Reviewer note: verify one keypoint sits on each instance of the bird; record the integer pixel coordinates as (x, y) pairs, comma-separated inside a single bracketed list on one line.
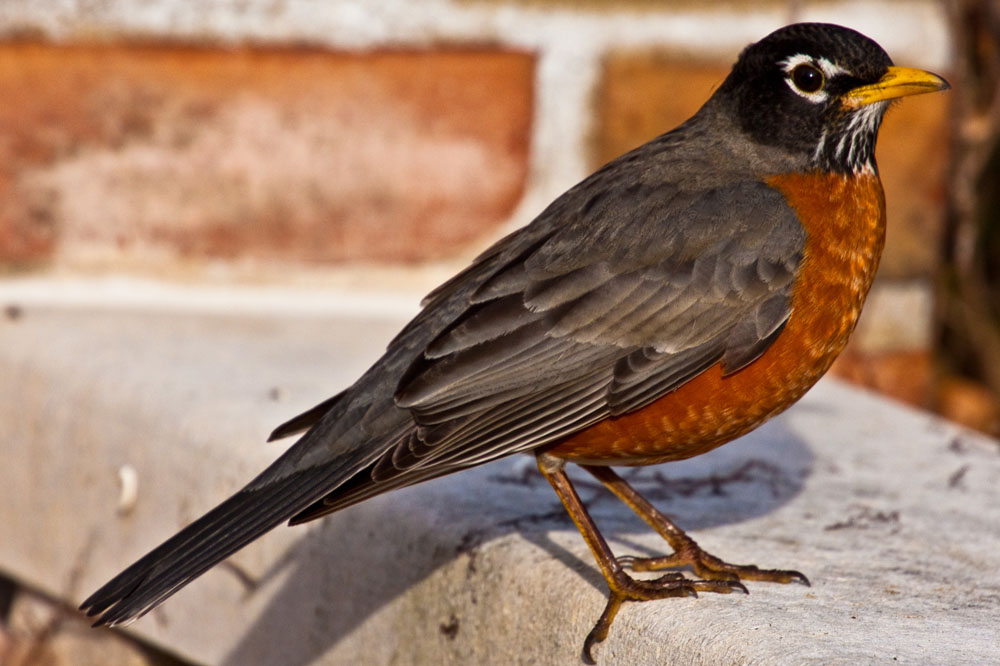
[(672, 301)]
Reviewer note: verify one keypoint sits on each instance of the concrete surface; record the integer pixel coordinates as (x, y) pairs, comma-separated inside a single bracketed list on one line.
[(893, 514), (39, 632)]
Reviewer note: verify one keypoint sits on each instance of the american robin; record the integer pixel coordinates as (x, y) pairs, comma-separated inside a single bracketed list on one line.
[(672, 301)]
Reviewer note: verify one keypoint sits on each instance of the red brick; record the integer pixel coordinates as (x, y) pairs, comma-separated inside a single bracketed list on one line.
[(969, 403), (913, 155), (903, 375), (642, 95), (297, 155)]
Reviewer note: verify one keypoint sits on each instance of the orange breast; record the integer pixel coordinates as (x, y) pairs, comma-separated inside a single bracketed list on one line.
[(844, 219)]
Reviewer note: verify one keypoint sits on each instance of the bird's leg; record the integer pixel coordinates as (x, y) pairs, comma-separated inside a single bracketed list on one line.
[(686, 551), (622, 587)]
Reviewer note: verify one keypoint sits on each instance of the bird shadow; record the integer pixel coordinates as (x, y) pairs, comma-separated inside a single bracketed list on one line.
[(357, 561)]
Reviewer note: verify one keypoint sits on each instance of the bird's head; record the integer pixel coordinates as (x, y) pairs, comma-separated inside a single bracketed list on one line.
[(819, 90)]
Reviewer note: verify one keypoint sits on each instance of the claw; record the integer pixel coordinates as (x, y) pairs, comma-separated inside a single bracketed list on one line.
[(625, 588), (600, 630), (800, 578)]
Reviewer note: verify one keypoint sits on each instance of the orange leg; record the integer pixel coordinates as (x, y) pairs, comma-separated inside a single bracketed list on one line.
[(686, 551), (622, 587)]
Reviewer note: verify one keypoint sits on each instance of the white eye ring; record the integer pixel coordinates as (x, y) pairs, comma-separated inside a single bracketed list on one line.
[(822, 65)]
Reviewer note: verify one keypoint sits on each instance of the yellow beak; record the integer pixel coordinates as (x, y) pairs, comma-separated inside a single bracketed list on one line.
[(897, 82)]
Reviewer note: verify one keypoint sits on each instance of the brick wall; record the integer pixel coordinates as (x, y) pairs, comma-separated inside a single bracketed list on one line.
[(279, 140), (122, 151)]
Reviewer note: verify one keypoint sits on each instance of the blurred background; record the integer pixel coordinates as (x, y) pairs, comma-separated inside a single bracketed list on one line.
[(352, 154)]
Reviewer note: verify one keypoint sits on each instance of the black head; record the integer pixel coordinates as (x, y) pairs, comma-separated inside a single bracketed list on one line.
[(819, 90)]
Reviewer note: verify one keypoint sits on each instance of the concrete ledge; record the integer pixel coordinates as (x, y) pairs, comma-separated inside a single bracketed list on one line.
[(893, 515)]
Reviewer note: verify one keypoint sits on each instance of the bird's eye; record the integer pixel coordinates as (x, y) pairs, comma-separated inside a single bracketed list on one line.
[(807, 78)]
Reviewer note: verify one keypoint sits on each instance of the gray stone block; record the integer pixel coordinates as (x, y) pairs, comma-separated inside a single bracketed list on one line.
[(893, 514)]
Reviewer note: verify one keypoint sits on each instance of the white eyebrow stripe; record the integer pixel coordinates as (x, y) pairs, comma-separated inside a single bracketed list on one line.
[(791, 62), (829, 68)]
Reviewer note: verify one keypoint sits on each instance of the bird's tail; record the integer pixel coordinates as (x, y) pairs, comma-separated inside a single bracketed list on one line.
[(225, 529)]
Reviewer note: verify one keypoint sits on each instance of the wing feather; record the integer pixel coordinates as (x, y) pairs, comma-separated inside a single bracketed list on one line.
[(550, 342)]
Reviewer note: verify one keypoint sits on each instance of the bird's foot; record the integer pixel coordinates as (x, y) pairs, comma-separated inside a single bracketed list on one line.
[(710, 567), (625, 588)]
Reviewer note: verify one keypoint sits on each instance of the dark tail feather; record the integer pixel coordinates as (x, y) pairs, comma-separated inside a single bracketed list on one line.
[(305, 420), (203, 544)]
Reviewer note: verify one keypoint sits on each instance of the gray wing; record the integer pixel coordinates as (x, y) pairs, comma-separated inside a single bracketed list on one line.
[(638, 293)]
